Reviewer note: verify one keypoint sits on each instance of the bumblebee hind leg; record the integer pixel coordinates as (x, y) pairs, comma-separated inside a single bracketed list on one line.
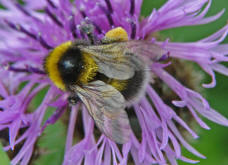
[(115, 35)]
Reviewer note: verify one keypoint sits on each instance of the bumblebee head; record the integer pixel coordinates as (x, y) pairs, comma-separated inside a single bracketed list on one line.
[(63, 65)]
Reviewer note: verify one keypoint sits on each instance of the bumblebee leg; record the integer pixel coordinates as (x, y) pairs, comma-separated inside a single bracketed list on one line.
[(88, 29), (73, 99), (115, 35)]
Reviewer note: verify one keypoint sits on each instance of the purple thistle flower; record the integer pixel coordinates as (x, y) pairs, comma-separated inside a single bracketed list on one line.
[(27, 34)]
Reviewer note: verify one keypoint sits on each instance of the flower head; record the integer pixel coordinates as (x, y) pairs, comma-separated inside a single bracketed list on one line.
[(30, 31)]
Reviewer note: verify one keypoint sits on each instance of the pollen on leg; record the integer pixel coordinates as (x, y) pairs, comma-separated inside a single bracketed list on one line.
[(117, 34)]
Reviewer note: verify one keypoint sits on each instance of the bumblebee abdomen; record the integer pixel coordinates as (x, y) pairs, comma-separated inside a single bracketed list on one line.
[(135, 86), (132, 88)]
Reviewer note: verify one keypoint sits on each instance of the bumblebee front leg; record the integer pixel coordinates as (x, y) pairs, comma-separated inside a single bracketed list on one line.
[(73, 99), (88, 29)]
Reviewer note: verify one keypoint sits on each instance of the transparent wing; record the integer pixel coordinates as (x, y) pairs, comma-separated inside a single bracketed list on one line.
[(111, 60), (106, 105), (146, 50), (120, 60)]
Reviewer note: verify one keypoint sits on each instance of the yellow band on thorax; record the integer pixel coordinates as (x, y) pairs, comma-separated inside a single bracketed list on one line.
[(89, 70)]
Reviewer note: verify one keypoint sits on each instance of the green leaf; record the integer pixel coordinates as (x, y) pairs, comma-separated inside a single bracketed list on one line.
[(51, 145), (4, 160), (149, 5)]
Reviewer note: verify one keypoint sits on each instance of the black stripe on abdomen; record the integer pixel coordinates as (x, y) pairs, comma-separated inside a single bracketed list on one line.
[(134, 86)]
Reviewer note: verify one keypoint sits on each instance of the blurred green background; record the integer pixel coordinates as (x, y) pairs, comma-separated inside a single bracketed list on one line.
[(213, 143)]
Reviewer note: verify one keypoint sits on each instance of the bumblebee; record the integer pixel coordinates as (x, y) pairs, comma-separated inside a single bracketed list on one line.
[(106, 76)]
